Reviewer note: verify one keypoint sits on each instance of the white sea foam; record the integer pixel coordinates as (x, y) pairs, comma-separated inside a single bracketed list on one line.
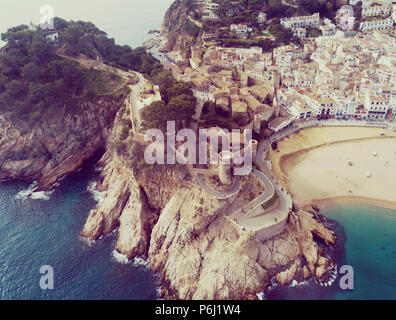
[(89, 242), (30, 193), (97, 195), (119, 257), (295, 283), (273, 283), (137, 261), (99, 169), (159, 291), (333, 276), (260, 296), (123, 259)]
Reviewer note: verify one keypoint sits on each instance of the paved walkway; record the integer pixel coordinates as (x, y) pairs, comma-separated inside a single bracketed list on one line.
[(132, 103), (220, 194), (253, 216), (285, 3)]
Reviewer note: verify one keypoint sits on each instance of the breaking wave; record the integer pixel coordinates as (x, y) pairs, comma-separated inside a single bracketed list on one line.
[(30, 193), (97, 195)]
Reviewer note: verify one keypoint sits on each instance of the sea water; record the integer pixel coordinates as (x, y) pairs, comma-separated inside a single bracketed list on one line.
[(127, 21), (45, 231), (366, 242), (39, 229), (370, 248)]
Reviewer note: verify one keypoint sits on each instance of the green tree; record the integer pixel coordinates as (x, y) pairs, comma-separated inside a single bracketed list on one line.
[(31, 72), (16, 89)]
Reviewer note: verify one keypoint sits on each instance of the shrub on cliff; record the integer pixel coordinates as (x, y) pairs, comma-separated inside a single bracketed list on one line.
[(34, 77), (31, 75), (84, 37)]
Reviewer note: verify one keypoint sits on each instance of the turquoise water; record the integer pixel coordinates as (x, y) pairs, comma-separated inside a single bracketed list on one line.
[(367, 242), (34, 233), (39, 232), (370, 248)]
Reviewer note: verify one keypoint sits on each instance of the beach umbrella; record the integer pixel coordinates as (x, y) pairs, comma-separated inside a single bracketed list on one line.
[(368, 174)]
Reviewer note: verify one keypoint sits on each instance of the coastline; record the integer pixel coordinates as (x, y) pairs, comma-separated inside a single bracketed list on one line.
[(315, 174), (324, 203)]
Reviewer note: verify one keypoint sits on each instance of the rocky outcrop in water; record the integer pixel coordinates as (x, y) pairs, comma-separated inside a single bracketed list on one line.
[(199, 253)]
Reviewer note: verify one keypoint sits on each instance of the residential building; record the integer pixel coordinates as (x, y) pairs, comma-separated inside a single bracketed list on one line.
[(262, 17), (240, 28), (376, 24), (301, 21), (280, 123), (376, 9), (212, 5)]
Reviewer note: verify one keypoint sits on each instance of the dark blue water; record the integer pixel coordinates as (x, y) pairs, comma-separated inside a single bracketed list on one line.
[(34, 233)]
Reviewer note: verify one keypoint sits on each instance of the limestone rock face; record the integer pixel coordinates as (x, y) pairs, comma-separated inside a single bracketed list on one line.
[(133, 237), (285, 277), (124, 203), (104, 219), (295, 253), (159, 185), (204, 259), (56, 145), (190, 242), (174, 28), (199, 253)]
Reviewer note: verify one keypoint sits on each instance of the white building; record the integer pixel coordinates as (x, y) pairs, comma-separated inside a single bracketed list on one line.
[(301, 21), (280, 123), (394, 12), (210, 16), (377, 106), (345, 18), (212, 5), (52, 37), (365, 3), (262, 17), (376, 24), (300, 33), (345, 106), (328, 29), (240, 28), (300, 110), (376, 10)]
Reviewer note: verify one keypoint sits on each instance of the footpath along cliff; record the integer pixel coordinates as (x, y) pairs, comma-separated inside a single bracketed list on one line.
[(161, 214)]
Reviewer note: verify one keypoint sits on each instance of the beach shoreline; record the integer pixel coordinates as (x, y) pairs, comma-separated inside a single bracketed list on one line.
[(327, 202), (312, 165)]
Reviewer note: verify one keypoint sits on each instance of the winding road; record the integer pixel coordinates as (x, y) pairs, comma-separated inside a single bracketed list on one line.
[(219, 194)]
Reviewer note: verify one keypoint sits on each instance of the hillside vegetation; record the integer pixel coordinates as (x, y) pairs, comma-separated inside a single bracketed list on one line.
[(35, 81)]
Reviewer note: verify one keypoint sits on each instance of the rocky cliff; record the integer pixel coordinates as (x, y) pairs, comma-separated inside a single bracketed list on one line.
[(57, 144), (161, 213), (180, 31)]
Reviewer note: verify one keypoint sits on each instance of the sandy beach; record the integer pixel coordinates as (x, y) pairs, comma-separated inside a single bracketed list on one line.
[(321, 165)]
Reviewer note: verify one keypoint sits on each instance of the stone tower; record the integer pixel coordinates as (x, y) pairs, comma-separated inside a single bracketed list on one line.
[(225, 167), (244, 79), (257, 123)]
